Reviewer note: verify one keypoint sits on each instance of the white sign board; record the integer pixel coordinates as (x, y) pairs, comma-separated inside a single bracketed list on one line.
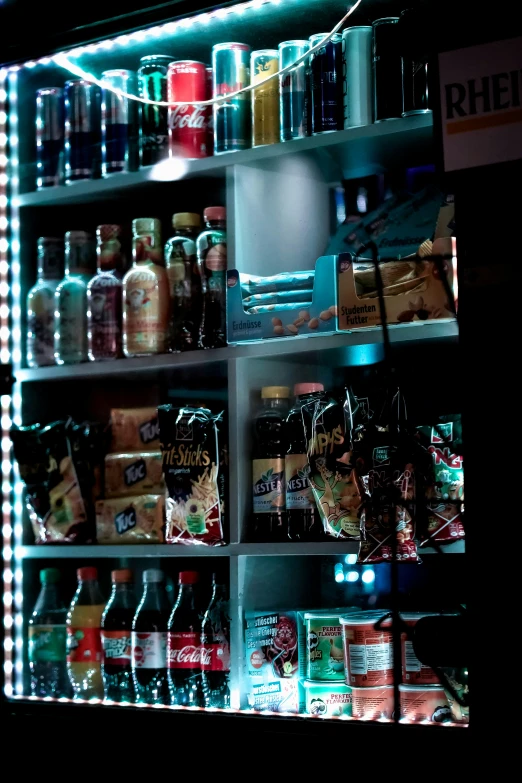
[(481, 104)]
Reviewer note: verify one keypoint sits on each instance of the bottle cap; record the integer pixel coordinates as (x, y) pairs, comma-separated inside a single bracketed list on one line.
[(156, 58), (77, 237), (153, 575), (49, 576), (107, 232), (214, 213), (188, 577), (275, 393), (186, 219), (307, 388), (122, 575), (146, 226), (87, 574)]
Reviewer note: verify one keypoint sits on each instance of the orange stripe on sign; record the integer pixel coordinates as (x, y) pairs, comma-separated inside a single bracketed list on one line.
[(485, 121)]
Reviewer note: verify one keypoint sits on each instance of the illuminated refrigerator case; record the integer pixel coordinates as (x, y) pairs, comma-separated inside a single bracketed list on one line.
[(284, 203)]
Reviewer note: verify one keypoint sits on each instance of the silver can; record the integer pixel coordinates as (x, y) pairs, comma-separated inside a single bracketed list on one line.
[(293, 91), (357, 77), (120, 126)]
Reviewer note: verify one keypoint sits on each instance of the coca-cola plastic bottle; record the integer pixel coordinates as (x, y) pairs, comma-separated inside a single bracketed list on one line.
[(149, 641), (183, 644), (215, 649), (116, 627)]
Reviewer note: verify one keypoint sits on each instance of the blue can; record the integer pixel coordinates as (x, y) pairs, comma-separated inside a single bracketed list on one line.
[(120, 126), (326, 83), (82, 130), (49, 136), (292, 91)]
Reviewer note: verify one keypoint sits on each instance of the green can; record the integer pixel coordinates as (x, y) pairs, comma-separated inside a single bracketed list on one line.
[(231, 72), (328, 699), (325, 657)]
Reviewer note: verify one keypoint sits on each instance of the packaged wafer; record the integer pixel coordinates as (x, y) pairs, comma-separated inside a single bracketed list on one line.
[(132, 520)]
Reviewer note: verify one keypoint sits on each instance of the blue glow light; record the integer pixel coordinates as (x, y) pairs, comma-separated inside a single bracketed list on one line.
[(339, 577), (368, 576), (352, 576), (350, 559)]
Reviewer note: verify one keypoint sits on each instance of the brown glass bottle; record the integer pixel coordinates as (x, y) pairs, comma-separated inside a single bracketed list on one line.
[(184, 282)]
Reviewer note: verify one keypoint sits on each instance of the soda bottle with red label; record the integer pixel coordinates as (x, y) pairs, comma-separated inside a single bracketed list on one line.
[(215, 649), (116, 628), (84, 650), (149, 641), (183, 644)]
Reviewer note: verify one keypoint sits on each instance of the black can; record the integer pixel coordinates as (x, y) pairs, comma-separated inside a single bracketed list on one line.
[(152, 84), (82, 130), (387, 69), (415, 90), (49, 136), (326, 81)]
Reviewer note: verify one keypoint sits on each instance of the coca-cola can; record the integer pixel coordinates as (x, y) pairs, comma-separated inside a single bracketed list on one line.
[(188, 125), (210, 115)]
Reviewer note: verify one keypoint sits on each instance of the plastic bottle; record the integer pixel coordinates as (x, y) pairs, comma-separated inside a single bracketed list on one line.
[(149, 641), (70, 325), (47, 639), (40, 303), (215, 649), (104, 311), (268, 465), (304, 521), (183, 644), (116, 629), (84, 648), (184, 282), (212, 263)]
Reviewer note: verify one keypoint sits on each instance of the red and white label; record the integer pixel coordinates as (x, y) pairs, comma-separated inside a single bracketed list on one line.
[(185, 652), (116, 647), (188, 117), (215, 657), (83, 645), (149, 650)]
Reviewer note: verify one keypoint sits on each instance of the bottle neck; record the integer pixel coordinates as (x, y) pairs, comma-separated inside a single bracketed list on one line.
[(280, 404), (186, 231), (217, 225), (122, 596), (89, 593), (154, 597), (49, 598), (50, 274), (186, 597)]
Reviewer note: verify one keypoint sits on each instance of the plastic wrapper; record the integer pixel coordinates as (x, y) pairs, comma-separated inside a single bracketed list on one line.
[(134, 429), (286, 281), (283, 297), (194, 464), (135, 473), (257, 309), (134, 520)]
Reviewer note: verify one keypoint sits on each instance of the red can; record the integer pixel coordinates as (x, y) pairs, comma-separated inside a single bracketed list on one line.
[(368, 653), (210, 124), (188, 125), (413, 671)]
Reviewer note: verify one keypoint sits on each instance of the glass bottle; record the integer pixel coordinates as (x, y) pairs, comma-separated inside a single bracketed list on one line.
[(145, 293), (116, 628), (104, 316), (84, 649), (149, 641), (40, 303), (212, 263), (70, 322), (47, 639), (184, 282)]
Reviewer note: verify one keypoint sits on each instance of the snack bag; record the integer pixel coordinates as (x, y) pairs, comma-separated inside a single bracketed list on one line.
[(134, 429), (134, 520), (194, 469), (133, 474)]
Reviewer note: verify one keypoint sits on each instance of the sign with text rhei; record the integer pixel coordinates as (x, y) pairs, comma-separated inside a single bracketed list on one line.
[(481, 102)]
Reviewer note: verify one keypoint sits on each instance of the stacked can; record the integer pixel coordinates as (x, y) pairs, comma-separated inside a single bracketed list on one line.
[(152, 84), (49, 136), (416, 95), (82, 130), (292, 91), (188, 124), (120, 123), (326, 84), (387, 69), (230, 65), (210, 114), (357, 76), (326, 692), (265, 99)]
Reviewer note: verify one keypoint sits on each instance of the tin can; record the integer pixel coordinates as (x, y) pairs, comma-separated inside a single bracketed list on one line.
[(230, 64), (187, 81), (292, 91), (120, 128), (152, 84), (328, 699), (424, 704), (265, 99), (82, 130), (387, 69), (374, 703), (326, 75), (357, 76), (210, 113), (415, 89), (368, 653), (49, 136), (413, 671), (324, 659)]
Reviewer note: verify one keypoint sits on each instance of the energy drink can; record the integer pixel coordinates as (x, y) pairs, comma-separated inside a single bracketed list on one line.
[(292, 91), (326, 73), (49, 136), (230, 64), (357, 76), (152, 84), (82, 130), (210, 113), (387, 69), (265, 99), (120, 129)]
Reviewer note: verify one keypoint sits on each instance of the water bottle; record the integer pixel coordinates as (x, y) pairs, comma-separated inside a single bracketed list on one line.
[(47, 639)]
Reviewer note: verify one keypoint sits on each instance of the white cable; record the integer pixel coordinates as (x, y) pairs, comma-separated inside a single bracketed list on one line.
[(64, 62)]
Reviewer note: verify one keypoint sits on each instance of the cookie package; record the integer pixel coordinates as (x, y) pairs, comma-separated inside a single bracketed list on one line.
[(131, 520), (134, 429), (134, 473)]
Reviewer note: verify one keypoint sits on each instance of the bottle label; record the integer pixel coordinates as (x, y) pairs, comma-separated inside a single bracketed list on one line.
[(183, 650), (215, 657), (40, 328), (105, 317), (72, 328), (145, 314), (268, 477), (299, 493), (47, 643), (83, 645), (149, 650), (116, 647)]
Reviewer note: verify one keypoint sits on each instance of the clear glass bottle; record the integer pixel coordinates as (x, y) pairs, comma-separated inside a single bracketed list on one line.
[(40, 303), (116, 629), (212, 263), (47, 639), (145, 293), (184, 282), (104, 316), (84, 648), (70, 323)]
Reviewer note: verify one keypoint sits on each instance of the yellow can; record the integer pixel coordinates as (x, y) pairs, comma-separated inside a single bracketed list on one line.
[(265, 99)]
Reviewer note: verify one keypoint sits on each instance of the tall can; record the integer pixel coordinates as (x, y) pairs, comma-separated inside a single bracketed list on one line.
[(415, 88), (293, 91), (230, 64), (49, 136), (387, 69), (326, 73), (187, 81), (265, 99), (152, 84), (120, 126), (357, 76), (210, 113), (82, 130)]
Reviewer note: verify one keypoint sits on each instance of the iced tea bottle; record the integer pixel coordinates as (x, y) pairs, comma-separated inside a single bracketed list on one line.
[(104, 317), (212, 264), (84, 647), (40, 303), (70, 325), (184, 282)]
